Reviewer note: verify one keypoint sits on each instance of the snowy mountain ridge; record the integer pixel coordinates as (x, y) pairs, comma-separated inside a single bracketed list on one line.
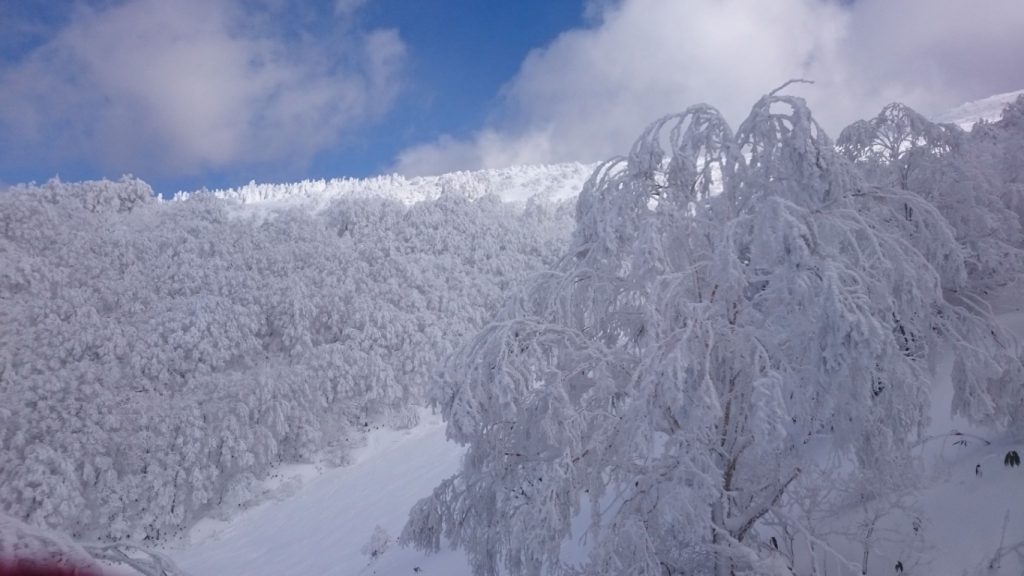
[(516, 183), (988, 109)]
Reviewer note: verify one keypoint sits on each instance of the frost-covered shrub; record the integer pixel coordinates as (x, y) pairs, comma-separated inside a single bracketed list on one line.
[(731, 308), (155, 357), (377, 545)]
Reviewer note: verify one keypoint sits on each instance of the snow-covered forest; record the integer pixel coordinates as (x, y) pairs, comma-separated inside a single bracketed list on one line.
[(158, 357), (719, 359)]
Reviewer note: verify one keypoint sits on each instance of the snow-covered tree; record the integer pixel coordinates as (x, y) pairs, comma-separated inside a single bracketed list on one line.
[(1002, 143), (896, 143), (953, 171), (731, 307)]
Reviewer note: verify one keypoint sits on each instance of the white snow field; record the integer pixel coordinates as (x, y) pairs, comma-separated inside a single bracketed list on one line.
[(323, 528)]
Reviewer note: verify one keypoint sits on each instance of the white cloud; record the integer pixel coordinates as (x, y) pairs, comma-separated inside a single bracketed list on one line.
[(189, 85), (587, 95), (346, 8)]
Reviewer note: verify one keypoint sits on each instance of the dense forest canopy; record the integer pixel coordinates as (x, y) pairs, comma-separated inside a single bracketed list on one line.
[(156, 358)]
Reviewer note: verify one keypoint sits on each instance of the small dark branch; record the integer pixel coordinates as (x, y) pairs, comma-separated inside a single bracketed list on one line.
[(1004, 550), (788, 82), (952, 434), (742, 532)]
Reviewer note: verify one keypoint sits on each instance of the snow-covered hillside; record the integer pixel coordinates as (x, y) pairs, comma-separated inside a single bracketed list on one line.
[(517, 183), (959, 519), (158, 358), (753, 360), (988, 109), (324, 528)]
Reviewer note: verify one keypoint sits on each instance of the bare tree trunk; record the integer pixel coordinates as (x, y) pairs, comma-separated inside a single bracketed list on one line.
[(867, 548), (723, 564)]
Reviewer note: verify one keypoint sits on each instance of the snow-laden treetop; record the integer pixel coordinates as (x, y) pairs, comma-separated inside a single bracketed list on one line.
[(553, 182)]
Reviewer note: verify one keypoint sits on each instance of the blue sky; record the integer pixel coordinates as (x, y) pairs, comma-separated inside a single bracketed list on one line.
[(214, 93), (461, 52), (458, 55)]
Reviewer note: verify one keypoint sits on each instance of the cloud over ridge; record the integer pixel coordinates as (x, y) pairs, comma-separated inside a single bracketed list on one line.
[(587, 94)]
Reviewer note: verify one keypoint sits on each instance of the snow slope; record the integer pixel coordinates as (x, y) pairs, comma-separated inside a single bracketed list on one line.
[(322, 528)]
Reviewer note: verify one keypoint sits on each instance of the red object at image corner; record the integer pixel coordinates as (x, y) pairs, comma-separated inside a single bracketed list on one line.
[(35, 569)]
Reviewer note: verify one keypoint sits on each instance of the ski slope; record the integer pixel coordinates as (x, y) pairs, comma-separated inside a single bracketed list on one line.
[(322, 528)]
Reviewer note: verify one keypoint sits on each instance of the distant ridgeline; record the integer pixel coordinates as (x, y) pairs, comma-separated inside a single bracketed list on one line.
[(157, 358), (987, 109), (552, 182)]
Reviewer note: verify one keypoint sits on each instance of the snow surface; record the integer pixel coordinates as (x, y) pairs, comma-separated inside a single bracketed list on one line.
[(323, 527)]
